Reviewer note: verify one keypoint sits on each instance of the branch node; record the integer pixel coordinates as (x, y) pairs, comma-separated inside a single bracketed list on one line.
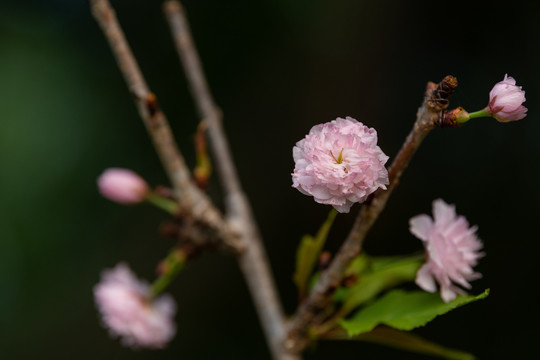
[(440, 97), (152, 104), (447, 119)]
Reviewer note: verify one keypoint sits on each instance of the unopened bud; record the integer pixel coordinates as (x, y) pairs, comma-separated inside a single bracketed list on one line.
[(122, 186), (505, 101), (203, 169)]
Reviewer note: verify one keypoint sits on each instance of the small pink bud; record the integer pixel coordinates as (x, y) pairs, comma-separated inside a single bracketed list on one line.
[(505, 101), (122, 186)]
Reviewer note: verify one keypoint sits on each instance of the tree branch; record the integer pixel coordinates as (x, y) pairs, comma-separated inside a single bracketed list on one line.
[(428, 116), (253, 260), (201, 94), (191, 199)]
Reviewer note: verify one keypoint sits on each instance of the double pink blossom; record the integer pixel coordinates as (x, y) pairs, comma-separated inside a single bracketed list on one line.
[(505, 101), (128, 312), (452, 250), (122, 186), (339, 163)]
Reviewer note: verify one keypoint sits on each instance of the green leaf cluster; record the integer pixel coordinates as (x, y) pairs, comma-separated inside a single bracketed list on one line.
[(381, 313)]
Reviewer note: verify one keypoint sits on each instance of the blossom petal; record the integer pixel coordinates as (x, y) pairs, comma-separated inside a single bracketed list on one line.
[(425, 280), (442, 212), (447, 294), (420, 226)]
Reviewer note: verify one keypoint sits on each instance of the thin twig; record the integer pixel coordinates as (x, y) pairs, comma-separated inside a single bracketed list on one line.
[(191, 199), (253, 261), (436, 99), (201, 93)]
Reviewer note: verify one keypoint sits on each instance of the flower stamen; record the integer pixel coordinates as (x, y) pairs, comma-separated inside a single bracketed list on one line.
[(339, 160)]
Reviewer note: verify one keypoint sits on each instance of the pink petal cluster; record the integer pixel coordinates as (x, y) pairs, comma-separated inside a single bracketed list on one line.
[(452, 250), (122, 186), (339, 163), (505, 101), (127, 311)]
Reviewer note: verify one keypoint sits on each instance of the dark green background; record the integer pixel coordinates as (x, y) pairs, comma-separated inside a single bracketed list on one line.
[(276, 69)]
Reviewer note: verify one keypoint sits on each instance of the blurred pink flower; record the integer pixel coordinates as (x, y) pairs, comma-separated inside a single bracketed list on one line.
[(127, 311), (505, 101), (339, 163), (452, 250), (122, 186)]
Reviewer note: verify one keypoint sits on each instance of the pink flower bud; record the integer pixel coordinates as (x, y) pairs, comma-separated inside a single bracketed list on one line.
[(505, 101), (122, 186)]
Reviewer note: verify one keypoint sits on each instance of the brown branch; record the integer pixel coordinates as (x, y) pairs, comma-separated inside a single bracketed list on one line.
[(190, 198), (203, 98), (428, 115), (253, 260)]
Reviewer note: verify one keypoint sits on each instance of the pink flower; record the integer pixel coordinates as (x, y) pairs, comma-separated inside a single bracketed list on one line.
[(129, 313), (122, 186), (452, 250), (505, 101), (339, 163)]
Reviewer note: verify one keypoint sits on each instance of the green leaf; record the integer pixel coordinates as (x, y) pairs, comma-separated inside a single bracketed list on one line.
[(403, 310), (407, 341), (383, 262), (308, 252), (359, 264), (382, 274), (403, 340)]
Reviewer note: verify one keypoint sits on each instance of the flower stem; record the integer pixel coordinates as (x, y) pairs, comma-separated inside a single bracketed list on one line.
[(171, 266), (477, 114), (163, 203)]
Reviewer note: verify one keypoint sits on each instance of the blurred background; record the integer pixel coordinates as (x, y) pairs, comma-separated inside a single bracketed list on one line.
[(276, 68)]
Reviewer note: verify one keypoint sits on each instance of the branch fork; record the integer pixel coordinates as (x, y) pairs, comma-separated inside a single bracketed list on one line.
[(237, 230)]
